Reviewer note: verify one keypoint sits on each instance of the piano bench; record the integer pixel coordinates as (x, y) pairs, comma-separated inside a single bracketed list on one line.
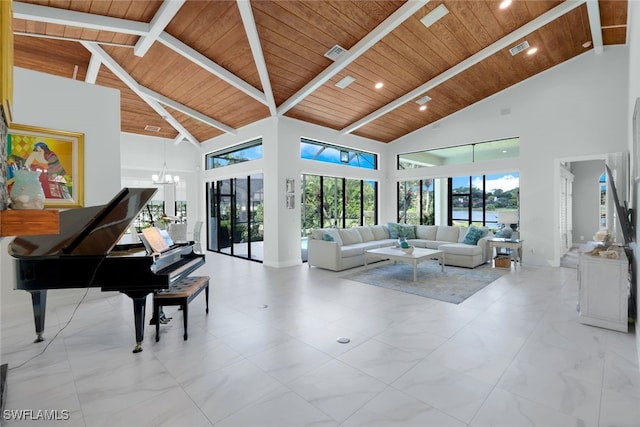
[(182, 293)]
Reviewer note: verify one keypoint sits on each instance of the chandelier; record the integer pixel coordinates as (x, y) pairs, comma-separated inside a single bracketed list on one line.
[(163, 177)]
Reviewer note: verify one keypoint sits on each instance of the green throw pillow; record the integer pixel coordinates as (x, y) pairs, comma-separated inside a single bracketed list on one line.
[(393, 230), (473, 235), (407, 231), (328, 237)]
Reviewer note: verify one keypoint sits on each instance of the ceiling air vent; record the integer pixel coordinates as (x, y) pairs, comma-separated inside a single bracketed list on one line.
[(519, 48), (434, 16), (423, 100), (152, 128), (346, 81), (335, 52)]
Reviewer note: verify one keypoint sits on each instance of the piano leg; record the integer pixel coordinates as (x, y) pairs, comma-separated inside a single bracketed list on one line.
[(139, 306), (39, 302)]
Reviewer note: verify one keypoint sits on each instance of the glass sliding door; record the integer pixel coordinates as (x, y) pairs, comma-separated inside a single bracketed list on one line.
[(226, 205), (353, 203), (369, 203), (235, 216), (311, 206), (416, 202), (256, 217), (333, 202)]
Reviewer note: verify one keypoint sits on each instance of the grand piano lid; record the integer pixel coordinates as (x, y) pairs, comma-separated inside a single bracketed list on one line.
[(87, 231)]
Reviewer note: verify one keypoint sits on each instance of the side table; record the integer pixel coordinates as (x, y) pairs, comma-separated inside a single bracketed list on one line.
[(515, 245)]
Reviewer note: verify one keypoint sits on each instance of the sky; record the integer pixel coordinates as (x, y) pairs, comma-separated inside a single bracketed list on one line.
[(504, 182)]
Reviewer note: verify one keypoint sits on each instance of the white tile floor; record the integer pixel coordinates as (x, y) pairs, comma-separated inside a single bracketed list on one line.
[(514, 354)]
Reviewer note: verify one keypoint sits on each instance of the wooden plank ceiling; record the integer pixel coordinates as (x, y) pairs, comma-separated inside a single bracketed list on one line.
[(193, 70)]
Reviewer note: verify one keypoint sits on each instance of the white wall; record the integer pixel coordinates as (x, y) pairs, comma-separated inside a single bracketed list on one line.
[(578, 108), (57, 103)]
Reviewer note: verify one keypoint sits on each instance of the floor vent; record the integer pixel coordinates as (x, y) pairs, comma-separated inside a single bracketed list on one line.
[(519, 48), (335, 52)]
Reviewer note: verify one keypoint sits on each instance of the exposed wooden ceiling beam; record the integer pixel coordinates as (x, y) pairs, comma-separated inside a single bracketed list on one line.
[(53, 15), (394, 20), (165, 14), (188, 111), (474, 59), (93, 69), (67, 39), (596, 27), (120, 72), (204, 62), (256, 49)]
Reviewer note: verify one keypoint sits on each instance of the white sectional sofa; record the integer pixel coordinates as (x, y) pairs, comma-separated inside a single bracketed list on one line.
[(339, 249)]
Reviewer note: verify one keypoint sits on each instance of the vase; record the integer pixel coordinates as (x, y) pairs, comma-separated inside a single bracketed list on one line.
[(26, 192)]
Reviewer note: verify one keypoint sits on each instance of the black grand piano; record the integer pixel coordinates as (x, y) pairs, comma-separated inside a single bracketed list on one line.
[(84, 255)]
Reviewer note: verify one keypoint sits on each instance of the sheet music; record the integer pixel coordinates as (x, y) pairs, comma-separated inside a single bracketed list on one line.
[(155, 240)]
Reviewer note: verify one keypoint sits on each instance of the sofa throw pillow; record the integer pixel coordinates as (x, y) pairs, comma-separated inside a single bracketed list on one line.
[(327, 237), (393, 230), (473, 235), (407, 231), (333, 232)]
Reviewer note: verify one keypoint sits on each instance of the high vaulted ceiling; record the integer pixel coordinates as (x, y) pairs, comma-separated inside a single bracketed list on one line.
[(198, 69)]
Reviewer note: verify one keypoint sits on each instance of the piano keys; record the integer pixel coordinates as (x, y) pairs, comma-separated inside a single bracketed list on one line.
[(84, 255)]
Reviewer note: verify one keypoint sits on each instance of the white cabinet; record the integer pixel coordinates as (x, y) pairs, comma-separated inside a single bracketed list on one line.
[(604, 291)]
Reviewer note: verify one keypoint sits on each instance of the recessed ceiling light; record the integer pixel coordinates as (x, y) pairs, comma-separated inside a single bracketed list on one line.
[(430, 18), (379, 85), (151, 128), (346, 81), (505, 4), (586, 44), (532, 51), (423, 107)]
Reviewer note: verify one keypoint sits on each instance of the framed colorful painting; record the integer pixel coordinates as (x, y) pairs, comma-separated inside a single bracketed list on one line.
[(58, 155)]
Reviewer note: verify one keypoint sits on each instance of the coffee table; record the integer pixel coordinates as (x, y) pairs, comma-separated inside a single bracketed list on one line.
[(396, 254)]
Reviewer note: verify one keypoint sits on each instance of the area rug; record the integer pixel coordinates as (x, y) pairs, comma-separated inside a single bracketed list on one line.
[(454, 285)]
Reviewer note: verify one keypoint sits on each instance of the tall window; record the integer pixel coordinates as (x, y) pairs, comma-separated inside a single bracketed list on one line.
[(416, 202), (477, 199), (337, 202)]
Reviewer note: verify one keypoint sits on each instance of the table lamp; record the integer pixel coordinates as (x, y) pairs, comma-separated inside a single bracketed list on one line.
[(510, 221)]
